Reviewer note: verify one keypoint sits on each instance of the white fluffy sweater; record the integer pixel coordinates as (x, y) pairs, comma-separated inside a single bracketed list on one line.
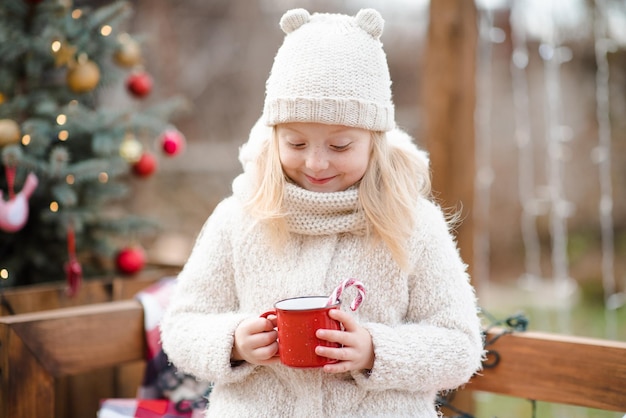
[(424, 325)]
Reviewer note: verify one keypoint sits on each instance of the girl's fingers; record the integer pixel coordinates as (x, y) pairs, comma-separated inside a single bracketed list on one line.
[(348, 321)]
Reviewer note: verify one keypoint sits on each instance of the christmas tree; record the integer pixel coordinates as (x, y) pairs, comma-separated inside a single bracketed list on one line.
[(66, 158)]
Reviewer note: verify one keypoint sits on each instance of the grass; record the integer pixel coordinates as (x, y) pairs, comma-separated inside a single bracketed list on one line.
[(496, 406)]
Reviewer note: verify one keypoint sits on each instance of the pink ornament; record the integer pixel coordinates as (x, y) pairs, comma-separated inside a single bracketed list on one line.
[(14, 212), (172, 142)]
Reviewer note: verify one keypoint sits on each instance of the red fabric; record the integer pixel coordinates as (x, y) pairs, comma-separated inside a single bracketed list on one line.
[(142, 408)]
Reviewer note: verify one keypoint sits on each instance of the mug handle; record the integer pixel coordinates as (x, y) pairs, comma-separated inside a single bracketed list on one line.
[(268, 313)]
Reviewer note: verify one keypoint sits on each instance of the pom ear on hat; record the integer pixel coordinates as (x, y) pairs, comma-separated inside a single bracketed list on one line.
[(368, 19), (293, 19), (371, 22)]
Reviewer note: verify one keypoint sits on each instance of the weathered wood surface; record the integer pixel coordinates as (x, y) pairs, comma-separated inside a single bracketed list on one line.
[(43, 297), (557, 368), (38, 347)]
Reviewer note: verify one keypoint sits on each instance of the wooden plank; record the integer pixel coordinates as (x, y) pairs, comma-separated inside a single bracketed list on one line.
[(26, 389), (128, 378), (48, 296), (74, 340), (86, 390), (557, 368)]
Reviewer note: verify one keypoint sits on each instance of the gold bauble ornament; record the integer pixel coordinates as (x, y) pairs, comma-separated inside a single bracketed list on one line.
[(131, 149), (83, 77), (128, 53), (9, 132)]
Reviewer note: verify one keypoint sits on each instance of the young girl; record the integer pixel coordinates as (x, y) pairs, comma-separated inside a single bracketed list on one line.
[(330, 190)]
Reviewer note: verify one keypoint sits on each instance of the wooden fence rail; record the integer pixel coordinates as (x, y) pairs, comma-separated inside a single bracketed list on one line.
[(557, 368), (38, 347)]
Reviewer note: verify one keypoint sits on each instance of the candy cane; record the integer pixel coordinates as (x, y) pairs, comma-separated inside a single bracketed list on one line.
[(336, 295)]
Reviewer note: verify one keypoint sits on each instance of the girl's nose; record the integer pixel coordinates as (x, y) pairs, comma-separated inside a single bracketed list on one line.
[(316, 160)]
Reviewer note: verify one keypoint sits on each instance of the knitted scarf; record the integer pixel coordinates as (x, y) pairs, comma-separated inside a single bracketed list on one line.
[(315, 213)]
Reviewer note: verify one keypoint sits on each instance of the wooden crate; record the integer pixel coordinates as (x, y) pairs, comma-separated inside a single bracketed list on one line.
[(42, 325)]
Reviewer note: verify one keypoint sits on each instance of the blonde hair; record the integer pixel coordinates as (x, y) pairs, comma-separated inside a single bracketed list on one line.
[(388, 192)]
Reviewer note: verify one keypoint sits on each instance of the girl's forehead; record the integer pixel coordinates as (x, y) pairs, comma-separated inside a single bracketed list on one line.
[(313, 127)]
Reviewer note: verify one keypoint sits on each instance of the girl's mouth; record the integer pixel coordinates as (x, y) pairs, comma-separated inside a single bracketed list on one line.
[(314, 180)]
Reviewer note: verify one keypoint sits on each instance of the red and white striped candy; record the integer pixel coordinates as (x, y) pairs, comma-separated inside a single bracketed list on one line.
[(336, 295)]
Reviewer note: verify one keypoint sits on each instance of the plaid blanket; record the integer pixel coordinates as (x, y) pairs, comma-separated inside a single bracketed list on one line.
[(164, 392)]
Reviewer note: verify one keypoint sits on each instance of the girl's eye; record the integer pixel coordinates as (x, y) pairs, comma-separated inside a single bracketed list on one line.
[(296, 145), (340, 147)]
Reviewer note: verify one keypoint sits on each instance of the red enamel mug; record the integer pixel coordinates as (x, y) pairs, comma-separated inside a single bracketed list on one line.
[(297, 320)]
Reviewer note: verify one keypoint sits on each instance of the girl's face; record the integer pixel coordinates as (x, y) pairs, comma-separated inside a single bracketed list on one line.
[(323, 158)]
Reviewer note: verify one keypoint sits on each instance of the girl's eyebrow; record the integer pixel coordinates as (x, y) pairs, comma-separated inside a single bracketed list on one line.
[(341, 129), (292, 130)]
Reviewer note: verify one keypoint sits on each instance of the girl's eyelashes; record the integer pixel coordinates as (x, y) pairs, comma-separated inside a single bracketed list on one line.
[(300, 145), (340, 147)]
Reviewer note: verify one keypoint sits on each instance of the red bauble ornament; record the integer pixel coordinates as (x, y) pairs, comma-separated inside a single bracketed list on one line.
[(139, 84), (172, 142), (146, 165), (131, 260)]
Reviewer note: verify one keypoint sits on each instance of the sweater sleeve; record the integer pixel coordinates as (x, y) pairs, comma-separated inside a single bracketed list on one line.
[(197, 329), (439, 345)]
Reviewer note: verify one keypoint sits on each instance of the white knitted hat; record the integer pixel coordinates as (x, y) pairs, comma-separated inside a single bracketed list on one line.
[(331, 69)]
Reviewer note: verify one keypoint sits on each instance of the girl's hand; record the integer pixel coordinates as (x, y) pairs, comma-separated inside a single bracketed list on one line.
[(357, 352), (255, 341)]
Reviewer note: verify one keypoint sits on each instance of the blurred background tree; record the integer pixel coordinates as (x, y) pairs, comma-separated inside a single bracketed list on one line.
[(66, 158)]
